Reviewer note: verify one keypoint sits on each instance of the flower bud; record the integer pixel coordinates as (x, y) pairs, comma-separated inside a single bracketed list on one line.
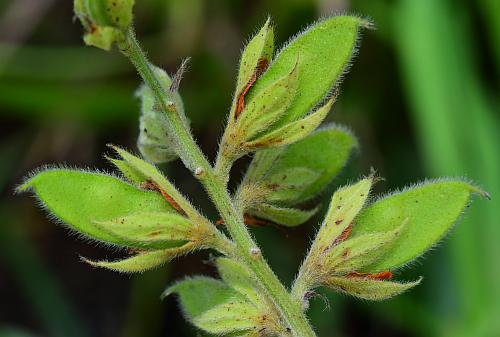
[(105, 21)]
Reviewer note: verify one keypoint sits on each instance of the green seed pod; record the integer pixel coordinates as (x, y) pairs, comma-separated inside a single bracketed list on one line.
[(105, 21)]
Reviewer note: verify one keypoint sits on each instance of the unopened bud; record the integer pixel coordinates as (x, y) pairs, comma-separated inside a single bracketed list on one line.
[(105, 21)]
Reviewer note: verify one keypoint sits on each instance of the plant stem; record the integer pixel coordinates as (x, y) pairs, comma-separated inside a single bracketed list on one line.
[(192, 157)]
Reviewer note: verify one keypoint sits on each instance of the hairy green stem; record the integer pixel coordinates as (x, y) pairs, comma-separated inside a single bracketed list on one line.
[(192, 157)]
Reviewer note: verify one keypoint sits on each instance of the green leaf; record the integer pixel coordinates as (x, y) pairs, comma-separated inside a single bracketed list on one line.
[(128, 171), (154, 142), (325, 151), (293, 131), (431, 209), (324, 51), (346, 203), (322, 154), (368, 289), (80, 198), (238, 277), (157, 230), (287, 186), (145, 172), (140, 262), (289, 217), (261, 112), (214, 307), (142, 170), (355, 254), (259, 48)]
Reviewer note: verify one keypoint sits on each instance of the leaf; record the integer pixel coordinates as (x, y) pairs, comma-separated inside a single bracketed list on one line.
[(431, 209), (150, 229), (214, 307), (293, 131), (325, 50), (287, 186), (263, 111), (259, 48), (289, 217), (361, 251), (238, 277), (368, 289), (154, 142), (346, 203), (128, 171), (80, 198), (140, 262), (142, 170), (325, 151)]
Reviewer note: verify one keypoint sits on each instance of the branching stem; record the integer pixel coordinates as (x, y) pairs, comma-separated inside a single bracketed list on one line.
[(193, 158)]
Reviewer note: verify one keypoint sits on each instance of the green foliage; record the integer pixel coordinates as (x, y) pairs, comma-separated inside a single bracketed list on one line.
[(361, 251), (262, 111), (322, 54), (276, 110), (293, 97), (214, 307), (284, 216), (368, 289), (81, 199), (293, 131), (259, 50), (344, 206), (139, 262), (234, 305), (149, 229), (431, 209), (296, 173)]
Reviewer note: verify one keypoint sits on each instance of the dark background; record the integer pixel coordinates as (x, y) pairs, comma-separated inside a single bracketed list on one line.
[(422, 97)]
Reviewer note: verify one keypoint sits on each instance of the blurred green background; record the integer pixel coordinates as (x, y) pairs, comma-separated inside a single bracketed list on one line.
[(423, 98)]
